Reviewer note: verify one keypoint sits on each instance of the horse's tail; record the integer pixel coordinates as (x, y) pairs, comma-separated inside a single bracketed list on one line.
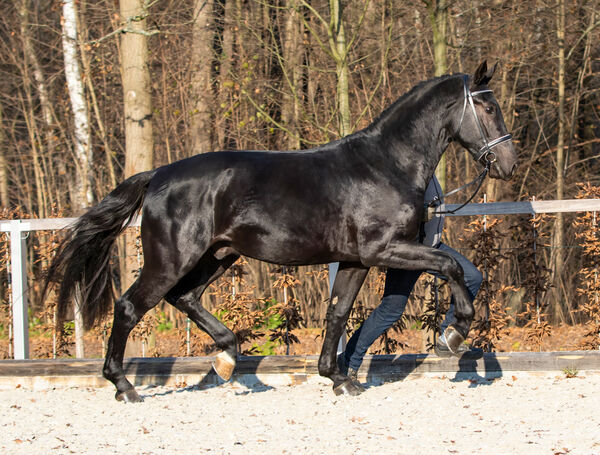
[(82, 262)]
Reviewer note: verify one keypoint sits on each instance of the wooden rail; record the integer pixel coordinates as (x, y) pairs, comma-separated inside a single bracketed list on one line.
[(18, 247), (289, 370), (526, 207)]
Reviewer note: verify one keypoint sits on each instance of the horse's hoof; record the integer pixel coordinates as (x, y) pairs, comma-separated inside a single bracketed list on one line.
[(453, 339), (224, 365), (129, 396), (349, 387)]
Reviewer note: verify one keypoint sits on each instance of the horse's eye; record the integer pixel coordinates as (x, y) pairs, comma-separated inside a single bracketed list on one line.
[(489, 109)]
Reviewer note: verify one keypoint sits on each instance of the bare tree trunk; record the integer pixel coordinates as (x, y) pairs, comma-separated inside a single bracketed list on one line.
[(139, 141), (438, 17), (292, 74), (339, 50), (558, 238), (202, 87), (225, 67)]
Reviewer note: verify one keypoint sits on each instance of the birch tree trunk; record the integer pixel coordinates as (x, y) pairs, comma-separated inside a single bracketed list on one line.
[(82, 138), (202, 88)]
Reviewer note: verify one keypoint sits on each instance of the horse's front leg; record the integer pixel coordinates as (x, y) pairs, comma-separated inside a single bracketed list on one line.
[(415, 256), (348, 281)]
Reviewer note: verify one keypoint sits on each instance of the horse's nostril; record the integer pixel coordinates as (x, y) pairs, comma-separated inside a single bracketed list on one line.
[(512, 171)]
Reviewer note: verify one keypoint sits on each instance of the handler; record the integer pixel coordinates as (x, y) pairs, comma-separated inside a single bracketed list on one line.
[(398, 286)]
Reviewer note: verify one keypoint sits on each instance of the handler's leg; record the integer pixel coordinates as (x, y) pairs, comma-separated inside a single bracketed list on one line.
[(348, 281), (398, 286)]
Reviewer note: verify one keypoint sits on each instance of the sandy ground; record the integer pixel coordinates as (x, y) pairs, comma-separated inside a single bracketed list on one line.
[(544, 414)]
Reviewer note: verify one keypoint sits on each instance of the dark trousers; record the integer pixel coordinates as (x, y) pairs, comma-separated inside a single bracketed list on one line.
[(398, 286)]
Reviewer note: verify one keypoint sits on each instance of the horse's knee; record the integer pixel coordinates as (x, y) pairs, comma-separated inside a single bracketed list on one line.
[(452, 269)]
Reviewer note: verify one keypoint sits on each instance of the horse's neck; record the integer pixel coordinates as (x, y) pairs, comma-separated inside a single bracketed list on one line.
[(416, 132)]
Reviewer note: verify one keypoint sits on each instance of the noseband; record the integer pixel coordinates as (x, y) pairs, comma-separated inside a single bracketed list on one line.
[(486, 150)]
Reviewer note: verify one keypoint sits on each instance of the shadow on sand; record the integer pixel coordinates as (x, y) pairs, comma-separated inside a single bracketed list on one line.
[(479, 369)]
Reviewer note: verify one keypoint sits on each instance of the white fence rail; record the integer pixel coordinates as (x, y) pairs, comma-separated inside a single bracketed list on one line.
[(18, 247)]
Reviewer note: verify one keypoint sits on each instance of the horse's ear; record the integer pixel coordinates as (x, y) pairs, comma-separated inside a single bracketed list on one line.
[(482, 74)]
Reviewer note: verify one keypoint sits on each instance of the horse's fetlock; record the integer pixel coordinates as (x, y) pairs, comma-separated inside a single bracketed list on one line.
[(325, 369), (466, 312)]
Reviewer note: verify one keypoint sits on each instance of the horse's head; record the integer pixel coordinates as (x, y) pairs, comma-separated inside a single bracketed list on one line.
[(480, 126)]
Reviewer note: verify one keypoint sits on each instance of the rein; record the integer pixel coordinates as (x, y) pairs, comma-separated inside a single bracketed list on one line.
[(484, 152), (477, 180)]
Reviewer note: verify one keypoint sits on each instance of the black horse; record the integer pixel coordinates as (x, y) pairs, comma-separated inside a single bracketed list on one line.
[(357, 201)]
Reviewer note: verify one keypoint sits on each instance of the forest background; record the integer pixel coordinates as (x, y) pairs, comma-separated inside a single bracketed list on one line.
[(94, 91)]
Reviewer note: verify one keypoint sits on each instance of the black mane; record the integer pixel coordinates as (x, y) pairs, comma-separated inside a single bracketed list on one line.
[(403, 99)]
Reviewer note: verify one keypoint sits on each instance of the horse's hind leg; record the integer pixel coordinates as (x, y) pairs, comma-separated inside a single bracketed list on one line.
[(143, 295), (185, 296), (348, 281)]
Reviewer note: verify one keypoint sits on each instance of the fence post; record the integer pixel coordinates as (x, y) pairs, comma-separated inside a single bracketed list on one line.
[(18, 261)]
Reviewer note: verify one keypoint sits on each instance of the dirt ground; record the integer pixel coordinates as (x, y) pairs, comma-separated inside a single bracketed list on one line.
[(524, 413), (172, 343), (521, 414)]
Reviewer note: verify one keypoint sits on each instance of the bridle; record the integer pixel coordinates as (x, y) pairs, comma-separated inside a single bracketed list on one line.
[(485, 152)]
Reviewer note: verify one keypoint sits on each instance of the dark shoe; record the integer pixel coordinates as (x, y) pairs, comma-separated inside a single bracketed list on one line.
[(344, 368), (441, 349)]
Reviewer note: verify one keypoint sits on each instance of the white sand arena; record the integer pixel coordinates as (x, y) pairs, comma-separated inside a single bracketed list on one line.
[(527, 414)]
